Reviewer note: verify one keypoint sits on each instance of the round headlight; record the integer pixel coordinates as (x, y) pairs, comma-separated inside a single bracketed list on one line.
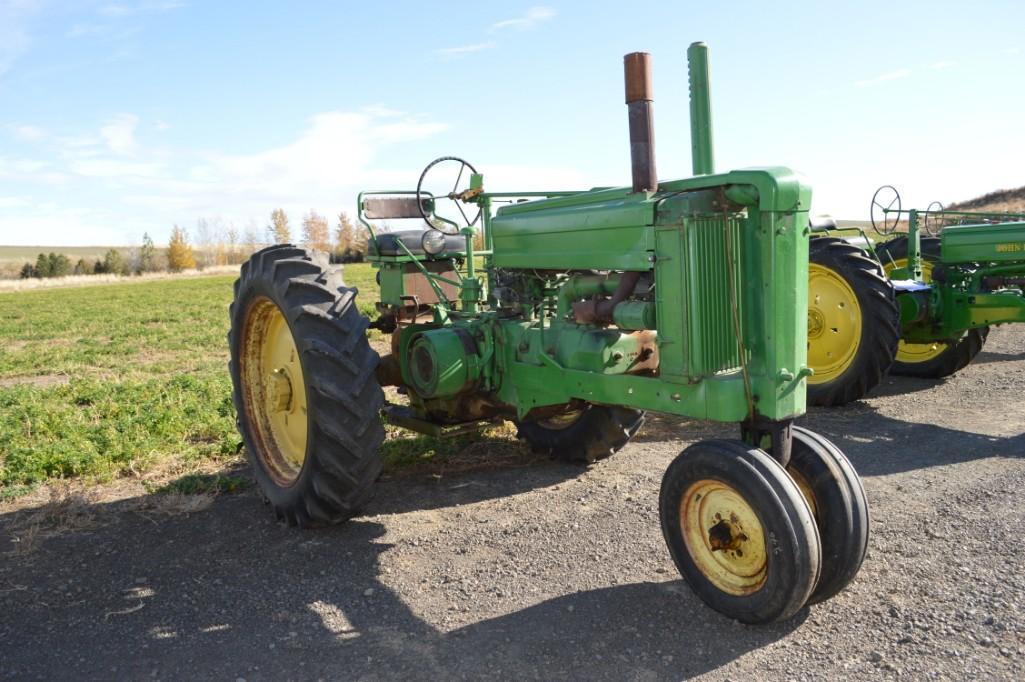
[(433, 242)]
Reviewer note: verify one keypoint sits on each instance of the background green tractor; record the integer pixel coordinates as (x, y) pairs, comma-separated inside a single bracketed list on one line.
[(914, 304), (571, 314)]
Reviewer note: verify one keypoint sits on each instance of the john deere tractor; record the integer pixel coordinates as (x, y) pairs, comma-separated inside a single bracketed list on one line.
[(571, 314), (917, 304)]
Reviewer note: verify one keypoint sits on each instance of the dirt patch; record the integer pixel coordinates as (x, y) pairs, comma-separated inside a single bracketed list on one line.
[(38, 381)]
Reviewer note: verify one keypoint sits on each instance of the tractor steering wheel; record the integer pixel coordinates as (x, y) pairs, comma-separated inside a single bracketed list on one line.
[(457, 196), (884, 203), (932, 222)]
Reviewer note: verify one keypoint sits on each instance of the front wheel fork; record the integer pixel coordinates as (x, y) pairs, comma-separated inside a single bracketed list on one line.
[(775, 437)]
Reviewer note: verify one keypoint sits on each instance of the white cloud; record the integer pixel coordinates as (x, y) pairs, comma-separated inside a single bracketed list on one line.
[(27, 133), (884, 78), (119, 134), (161, 125), (531, 18), (464, 49), (940, 66)]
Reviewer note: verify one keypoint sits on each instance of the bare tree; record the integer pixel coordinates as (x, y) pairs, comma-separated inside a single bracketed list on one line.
[(279, 231), (316, 233)]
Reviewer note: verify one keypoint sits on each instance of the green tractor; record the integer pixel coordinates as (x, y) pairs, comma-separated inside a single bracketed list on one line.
[(571, 314), (915, 304)]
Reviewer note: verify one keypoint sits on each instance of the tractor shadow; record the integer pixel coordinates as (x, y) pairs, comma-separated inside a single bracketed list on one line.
[(986, 356), (875, 443), (226, 593), (879, 445)]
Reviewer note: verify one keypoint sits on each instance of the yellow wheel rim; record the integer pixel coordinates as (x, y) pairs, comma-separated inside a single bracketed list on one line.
[(834, 324), (916, 352), (274, 392), (561, 421), (724, 537)]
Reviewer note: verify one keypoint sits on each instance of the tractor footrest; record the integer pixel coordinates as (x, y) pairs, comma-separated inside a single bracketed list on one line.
[(402, 416)]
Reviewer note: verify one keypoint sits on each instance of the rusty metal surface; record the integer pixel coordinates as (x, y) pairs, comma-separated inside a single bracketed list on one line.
[(414, 282), (639, 93), (637, 71), (392, 207)]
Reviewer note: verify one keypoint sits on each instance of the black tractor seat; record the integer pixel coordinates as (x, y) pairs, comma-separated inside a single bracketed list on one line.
[(388, 243)]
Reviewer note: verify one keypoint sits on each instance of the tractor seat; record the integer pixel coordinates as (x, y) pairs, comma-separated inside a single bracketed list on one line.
[(388, 243)]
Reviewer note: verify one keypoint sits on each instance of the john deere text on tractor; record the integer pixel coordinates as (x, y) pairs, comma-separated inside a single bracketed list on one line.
[(574, 314)]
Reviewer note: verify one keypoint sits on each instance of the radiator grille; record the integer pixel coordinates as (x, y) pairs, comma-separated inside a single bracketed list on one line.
[(710, 330)]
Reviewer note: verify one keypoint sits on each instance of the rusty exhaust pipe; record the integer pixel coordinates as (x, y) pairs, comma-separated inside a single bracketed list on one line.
[(637, 69)]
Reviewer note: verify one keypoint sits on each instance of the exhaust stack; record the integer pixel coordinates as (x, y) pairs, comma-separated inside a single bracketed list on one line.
[(702, 158), (637, 69)]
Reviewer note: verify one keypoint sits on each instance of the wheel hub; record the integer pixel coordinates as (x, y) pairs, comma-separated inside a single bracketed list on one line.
[(816, 323), (279, 390), (724, 536)]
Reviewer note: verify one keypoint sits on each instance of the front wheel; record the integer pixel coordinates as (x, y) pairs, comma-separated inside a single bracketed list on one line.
[(739, 531), (307, 400), (837, 499)]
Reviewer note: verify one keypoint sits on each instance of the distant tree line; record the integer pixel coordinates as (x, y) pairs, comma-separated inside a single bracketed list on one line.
[(213, 243)]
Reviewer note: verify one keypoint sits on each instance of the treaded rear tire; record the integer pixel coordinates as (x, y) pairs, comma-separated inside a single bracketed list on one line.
[(599, 432), (344, 399), (958, 354), (880, 321)]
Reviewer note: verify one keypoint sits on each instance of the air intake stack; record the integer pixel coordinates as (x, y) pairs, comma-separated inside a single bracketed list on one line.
[(702, 158)]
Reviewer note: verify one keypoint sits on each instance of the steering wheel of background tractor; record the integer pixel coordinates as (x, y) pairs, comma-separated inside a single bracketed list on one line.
[(933, 223), (882, 208), (457, 195)]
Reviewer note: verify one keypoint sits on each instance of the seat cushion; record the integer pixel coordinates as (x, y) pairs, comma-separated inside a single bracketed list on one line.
[(388, 243)]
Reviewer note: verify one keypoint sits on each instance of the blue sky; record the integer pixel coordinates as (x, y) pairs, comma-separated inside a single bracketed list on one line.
[(119, 117)]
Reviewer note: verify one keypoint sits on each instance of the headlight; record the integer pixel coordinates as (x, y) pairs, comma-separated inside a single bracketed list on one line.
[(433, 242)]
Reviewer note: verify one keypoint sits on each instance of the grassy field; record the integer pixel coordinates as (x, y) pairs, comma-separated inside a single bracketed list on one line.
[(131, 379)]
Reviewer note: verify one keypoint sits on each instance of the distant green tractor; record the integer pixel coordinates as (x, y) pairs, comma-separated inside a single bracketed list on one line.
[(915, 305), (573, 315)]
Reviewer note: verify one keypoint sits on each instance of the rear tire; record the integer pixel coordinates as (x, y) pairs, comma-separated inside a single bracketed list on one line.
[(853, 322), (293, 317), (596, 432), (941, 358), (740, 531)]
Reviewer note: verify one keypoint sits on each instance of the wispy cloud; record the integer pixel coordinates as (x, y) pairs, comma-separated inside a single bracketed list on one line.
[(463, 50), (940, 66), (1012, 51), (131, 9), (27, 133), (15, 39), (532, 17), (884, 78), (119, 134)]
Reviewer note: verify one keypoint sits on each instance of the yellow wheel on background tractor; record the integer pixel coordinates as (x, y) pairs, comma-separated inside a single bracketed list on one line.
[(853, 322), (740, 531), (939, 358), (306, 396)]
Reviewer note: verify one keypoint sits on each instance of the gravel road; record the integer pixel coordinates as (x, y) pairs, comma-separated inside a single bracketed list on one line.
[(547, 571)]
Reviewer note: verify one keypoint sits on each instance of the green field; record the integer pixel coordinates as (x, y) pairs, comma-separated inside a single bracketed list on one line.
[(104, 381)]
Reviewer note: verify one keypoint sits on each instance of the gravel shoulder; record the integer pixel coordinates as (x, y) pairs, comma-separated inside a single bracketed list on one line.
[(548, 571)]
